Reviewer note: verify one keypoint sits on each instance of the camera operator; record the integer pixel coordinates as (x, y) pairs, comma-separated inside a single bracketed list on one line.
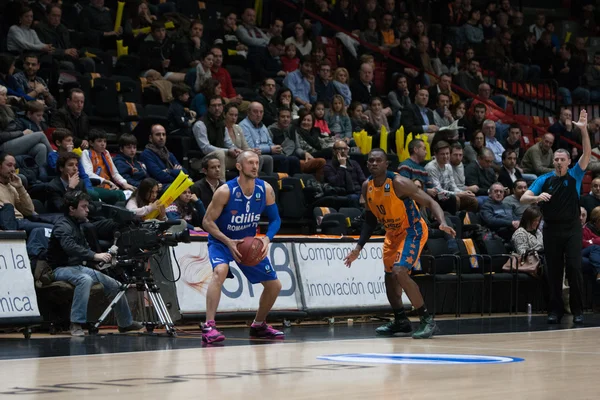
[(68, 255)]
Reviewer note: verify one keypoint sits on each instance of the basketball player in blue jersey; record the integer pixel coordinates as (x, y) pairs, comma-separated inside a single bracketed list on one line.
[(232, 215)]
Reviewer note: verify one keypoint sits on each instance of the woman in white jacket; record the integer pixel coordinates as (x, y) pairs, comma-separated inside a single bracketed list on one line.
[(144, 200), (528, 236)]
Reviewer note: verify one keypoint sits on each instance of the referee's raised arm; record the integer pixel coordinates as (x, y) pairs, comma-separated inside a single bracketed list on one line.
[(585, 140)]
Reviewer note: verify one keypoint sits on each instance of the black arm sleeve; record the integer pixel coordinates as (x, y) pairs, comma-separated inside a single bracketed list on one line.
[(368, 228)]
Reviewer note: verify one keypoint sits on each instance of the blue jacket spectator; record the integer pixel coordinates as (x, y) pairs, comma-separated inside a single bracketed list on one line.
[(160, 163), (13, 88), (199, 105), (130, 168)]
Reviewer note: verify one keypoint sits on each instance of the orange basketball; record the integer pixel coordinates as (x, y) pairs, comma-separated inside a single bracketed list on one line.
[(251, 250)]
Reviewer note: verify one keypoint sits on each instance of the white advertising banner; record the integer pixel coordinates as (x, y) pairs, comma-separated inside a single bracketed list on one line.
[(328, 284), (238, 294), (17, 289)]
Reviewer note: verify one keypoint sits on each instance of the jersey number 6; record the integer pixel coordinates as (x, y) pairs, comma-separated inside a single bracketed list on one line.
[(381, 209)]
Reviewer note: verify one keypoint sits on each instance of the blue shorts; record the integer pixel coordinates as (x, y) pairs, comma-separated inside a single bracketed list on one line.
[(220, 254)]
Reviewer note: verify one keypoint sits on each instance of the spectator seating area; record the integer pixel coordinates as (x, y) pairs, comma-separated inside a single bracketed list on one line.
[(468, 98)]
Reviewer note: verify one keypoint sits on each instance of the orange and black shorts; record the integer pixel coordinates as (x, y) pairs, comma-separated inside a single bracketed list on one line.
[(404, 248)]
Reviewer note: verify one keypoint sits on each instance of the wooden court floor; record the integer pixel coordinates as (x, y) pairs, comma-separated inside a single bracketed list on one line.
[(557, 364)]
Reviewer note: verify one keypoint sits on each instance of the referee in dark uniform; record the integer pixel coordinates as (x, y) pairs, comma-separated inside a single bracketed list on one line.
[(557, 193)]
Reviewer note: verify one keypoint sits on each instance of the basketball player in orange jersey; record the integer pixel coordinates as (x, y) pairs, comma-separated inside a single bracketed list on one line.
[(391, 200)]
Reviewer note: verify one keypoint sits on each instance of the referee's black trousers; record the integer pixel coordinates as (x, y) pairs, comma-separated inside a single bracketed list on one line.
[(562, 247)]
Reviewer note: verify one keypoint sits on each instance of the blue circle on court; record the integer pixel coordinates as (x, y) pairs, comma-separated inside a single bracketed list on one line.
[(409, 358)]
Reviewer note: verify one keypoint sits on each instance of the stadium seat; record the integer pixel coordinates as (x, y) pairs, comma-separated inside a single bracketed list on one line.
[(54, 297), (129, 90), (545, 92), (351, 212), (292, 199), (157, 112), (439, 266), (495, 255), (329, 221), (131, 114), (104, 98), (314, 195), (274, 182), (471, 274), (354, 217)]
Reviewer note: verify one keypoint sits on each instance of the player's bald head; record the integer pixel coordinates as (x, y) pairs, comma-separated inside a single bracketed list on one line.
[(245, 155)]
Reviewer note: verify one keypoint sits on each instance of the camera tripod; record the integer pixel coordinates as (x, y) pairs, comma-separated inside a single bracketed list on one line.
[(155, 314)]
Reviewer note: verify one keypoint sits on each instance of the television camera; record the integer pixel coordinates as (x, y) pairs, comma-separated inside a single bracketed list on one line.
[(134, 245)]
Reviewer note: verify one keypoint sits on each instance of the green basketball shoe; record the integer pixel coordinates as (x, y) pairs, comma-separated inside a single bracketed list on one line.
[(393, 327), (427, 329)]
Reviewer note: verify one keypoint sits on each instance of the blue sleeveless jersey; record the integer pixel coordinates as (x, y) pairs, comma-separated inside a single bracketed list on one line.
[(241, 214)]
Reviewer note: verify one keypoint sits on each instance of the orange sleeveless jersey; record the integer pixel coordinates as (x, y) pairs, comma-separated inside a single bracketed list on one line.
[(395, 214)]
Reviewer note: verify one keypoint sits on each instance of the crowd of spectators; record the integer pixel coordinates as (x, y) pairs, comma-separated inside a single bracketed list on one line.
[(234, 84)]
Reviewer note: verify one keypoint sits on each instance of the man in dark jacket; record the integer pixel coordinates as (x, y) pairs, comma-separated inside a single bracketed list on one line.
[(407, 53), (191, 48), (265, 63), (565, 128), (324, 84), (39, 9), (568, 71), (67, 181), (471, 78), (69, 254), (156, 50), (363, 88), (53, 32), (344, 173), (98, 23), (482, 174), (72, 117), (266, 97), (497, 216), (417, 118), (207, 186), (523, 53), (509, 172), (591, 200)]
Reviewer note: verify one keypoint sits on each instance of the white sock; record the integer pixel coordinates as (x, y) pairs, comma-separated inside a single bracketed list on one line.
[(257, 323)]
